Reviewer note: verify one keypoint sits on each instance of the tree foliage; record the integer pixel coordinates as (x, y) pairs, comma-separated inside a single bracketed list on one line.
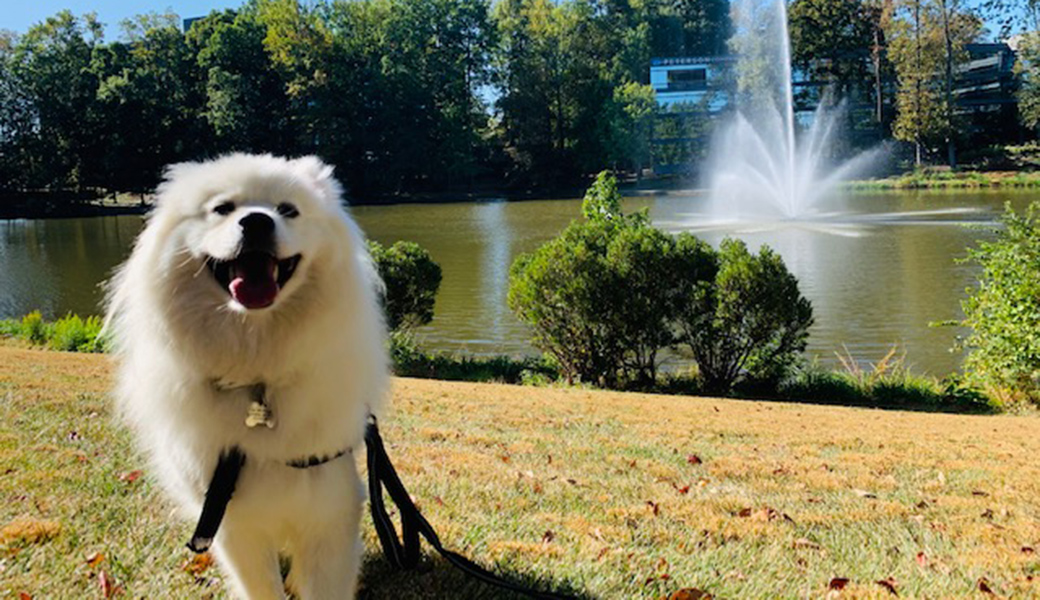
[(1003, 311), (410, 283), (926, 38)]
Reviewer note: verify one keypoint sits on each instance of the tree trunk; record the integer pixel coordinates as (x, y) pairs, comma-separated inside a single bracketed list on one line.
[(951, 149)]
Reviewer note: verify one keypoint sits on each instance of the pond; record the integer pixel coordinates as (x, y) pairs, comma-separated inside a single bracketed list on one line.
[(877, 276)]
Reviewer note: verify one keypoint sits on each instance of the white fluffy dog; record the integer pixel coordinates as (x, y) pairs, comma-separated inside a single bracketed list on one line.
[(247, 317)]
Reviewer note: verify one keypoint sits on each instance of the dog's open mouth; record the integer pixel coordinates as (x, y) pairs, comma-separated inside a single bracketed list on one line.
[(253, 278)]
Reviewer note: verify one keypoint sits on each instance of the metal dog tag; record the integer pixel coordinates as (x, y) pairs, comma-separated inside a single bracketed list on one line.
[(259, 412)]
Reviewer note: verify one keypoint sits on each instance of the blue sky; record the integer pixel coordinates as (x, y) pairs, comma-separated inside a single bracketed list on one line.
[(19, 15)]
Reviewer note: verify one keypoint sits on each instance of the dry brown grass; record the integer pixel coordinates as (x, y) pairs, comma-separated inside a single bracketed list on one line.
[(595, 492)]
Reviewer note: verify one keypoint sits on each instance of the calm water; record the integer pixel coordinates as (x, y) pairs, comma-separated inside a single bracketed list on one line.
[(877, 275)]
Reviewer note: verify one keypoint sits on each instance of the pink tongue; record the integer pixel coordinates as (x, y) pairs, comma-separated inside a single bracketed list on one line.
[(252, 280)]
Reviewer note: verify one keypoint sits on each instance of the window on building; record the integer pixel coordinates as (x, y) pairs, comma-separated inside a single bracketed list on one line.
[(688, 79)]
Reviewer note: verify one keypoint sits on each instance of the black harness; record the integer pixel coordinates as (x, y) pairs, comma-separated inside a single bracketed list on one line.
[(403, 553)]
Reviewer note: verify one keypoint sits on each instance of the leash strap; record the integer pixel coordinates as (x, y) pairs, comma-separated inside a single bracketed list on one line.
[(218, 494), (381, 473)]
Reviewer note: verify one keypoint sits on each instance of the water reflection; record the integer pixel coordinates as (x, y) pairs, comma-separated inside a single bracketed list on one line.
[(57, 265)]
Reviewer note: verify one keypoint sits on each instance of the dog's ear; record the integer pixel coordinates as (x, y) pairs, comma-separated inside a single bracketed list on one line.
[(319, 174)]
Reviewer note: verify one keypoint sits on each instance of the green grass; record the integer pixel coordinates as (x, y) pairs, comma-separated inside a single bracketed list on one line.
[(596, 493)]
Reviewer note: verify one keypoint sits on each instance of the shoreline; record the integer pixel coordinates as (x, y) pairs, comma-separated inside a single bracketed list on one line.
[(36, 206)]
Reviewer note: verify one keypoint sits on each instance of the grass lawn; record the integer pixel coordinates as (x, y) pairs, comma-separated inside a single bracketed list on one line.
[(603, 495)]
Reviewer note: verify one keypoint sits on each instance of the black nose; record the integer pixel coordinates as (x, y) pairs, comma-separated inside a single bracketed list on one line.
[(257, 228)]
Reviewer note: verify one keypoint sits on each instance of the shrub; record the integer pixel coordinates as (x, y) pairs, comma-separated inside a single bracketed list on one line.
[(599, 298), (1003, 311), (411, 361), (34, 329), (73, 334), (751, 323), (411, 281)]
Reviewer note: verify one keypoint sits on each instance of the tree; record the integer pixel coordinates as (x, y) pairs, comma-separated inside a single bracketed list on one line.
[(56, 137), (410, 283), (1028, 68), (926, 39), (751, 322), (150, 100), (830, 40)]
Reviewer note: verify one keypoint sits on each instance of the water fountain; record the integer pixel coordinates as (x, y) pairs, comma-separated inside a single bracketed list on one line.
[(760, 169)]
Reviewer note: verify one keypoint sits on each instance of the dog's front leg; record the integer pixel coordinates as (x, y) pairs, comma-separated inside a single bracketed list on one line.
[(250, 562), (326, 552)]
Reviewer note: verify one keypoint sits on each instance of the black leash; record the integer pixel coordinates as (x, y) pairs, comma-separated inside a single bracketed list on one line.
[(403, 553), (381, 473)]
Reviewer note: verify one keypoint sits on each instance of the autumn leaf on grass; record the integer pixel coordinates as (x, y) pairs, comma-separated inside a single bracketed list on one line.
[(109, 589), (889, 584), (95, 559), (983, 585), (766, 513), (132, 476), (693, 459), (24, 596), (838, 583), (198, 564), (688, 594)]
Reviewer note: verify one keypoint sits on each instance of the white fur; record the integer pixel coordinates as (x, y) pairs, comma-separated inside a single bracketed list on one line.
[(185, 349)]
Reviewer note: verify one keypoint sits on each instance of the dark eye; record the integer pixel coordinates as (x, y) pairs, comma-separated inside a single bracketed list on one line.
[(224, 208), (287, 210)]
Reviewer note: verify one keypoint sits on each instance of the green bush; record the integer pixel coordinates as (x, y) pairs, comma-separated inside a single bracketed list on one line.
[(1003, 311), (751, 323), (411, 361), (411, 281), (599, 298), (34, 329), (73, 334), (70, 333)]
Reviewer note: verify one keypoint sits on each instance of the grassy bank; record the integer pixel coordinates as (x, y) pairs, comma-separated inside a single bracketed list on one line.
[(944, 179), (607, 495)]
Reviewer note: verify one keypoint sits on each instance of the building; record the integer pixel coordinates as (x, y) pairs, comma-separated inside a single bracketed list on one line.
[(698, 81), (984, 91)]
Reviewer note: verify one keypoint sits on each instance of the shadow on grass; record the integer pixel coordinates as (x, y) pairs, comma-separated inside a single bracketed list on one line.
[(436, 578)]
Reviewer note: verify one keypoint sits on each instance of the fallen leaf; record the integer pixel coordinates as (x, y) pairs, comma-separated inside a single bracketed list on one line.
[(131, 477), (922, 560), (109, 589), (838, 583), (744, 512), (1028, 550), (688, 594), (983, 586), (979, 493), (198, 564), (693, 459), (889, 584), (95, 559), (654, 507), (987, 514), (548, 536), (865, 494), (24, 596), (682, 490)]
